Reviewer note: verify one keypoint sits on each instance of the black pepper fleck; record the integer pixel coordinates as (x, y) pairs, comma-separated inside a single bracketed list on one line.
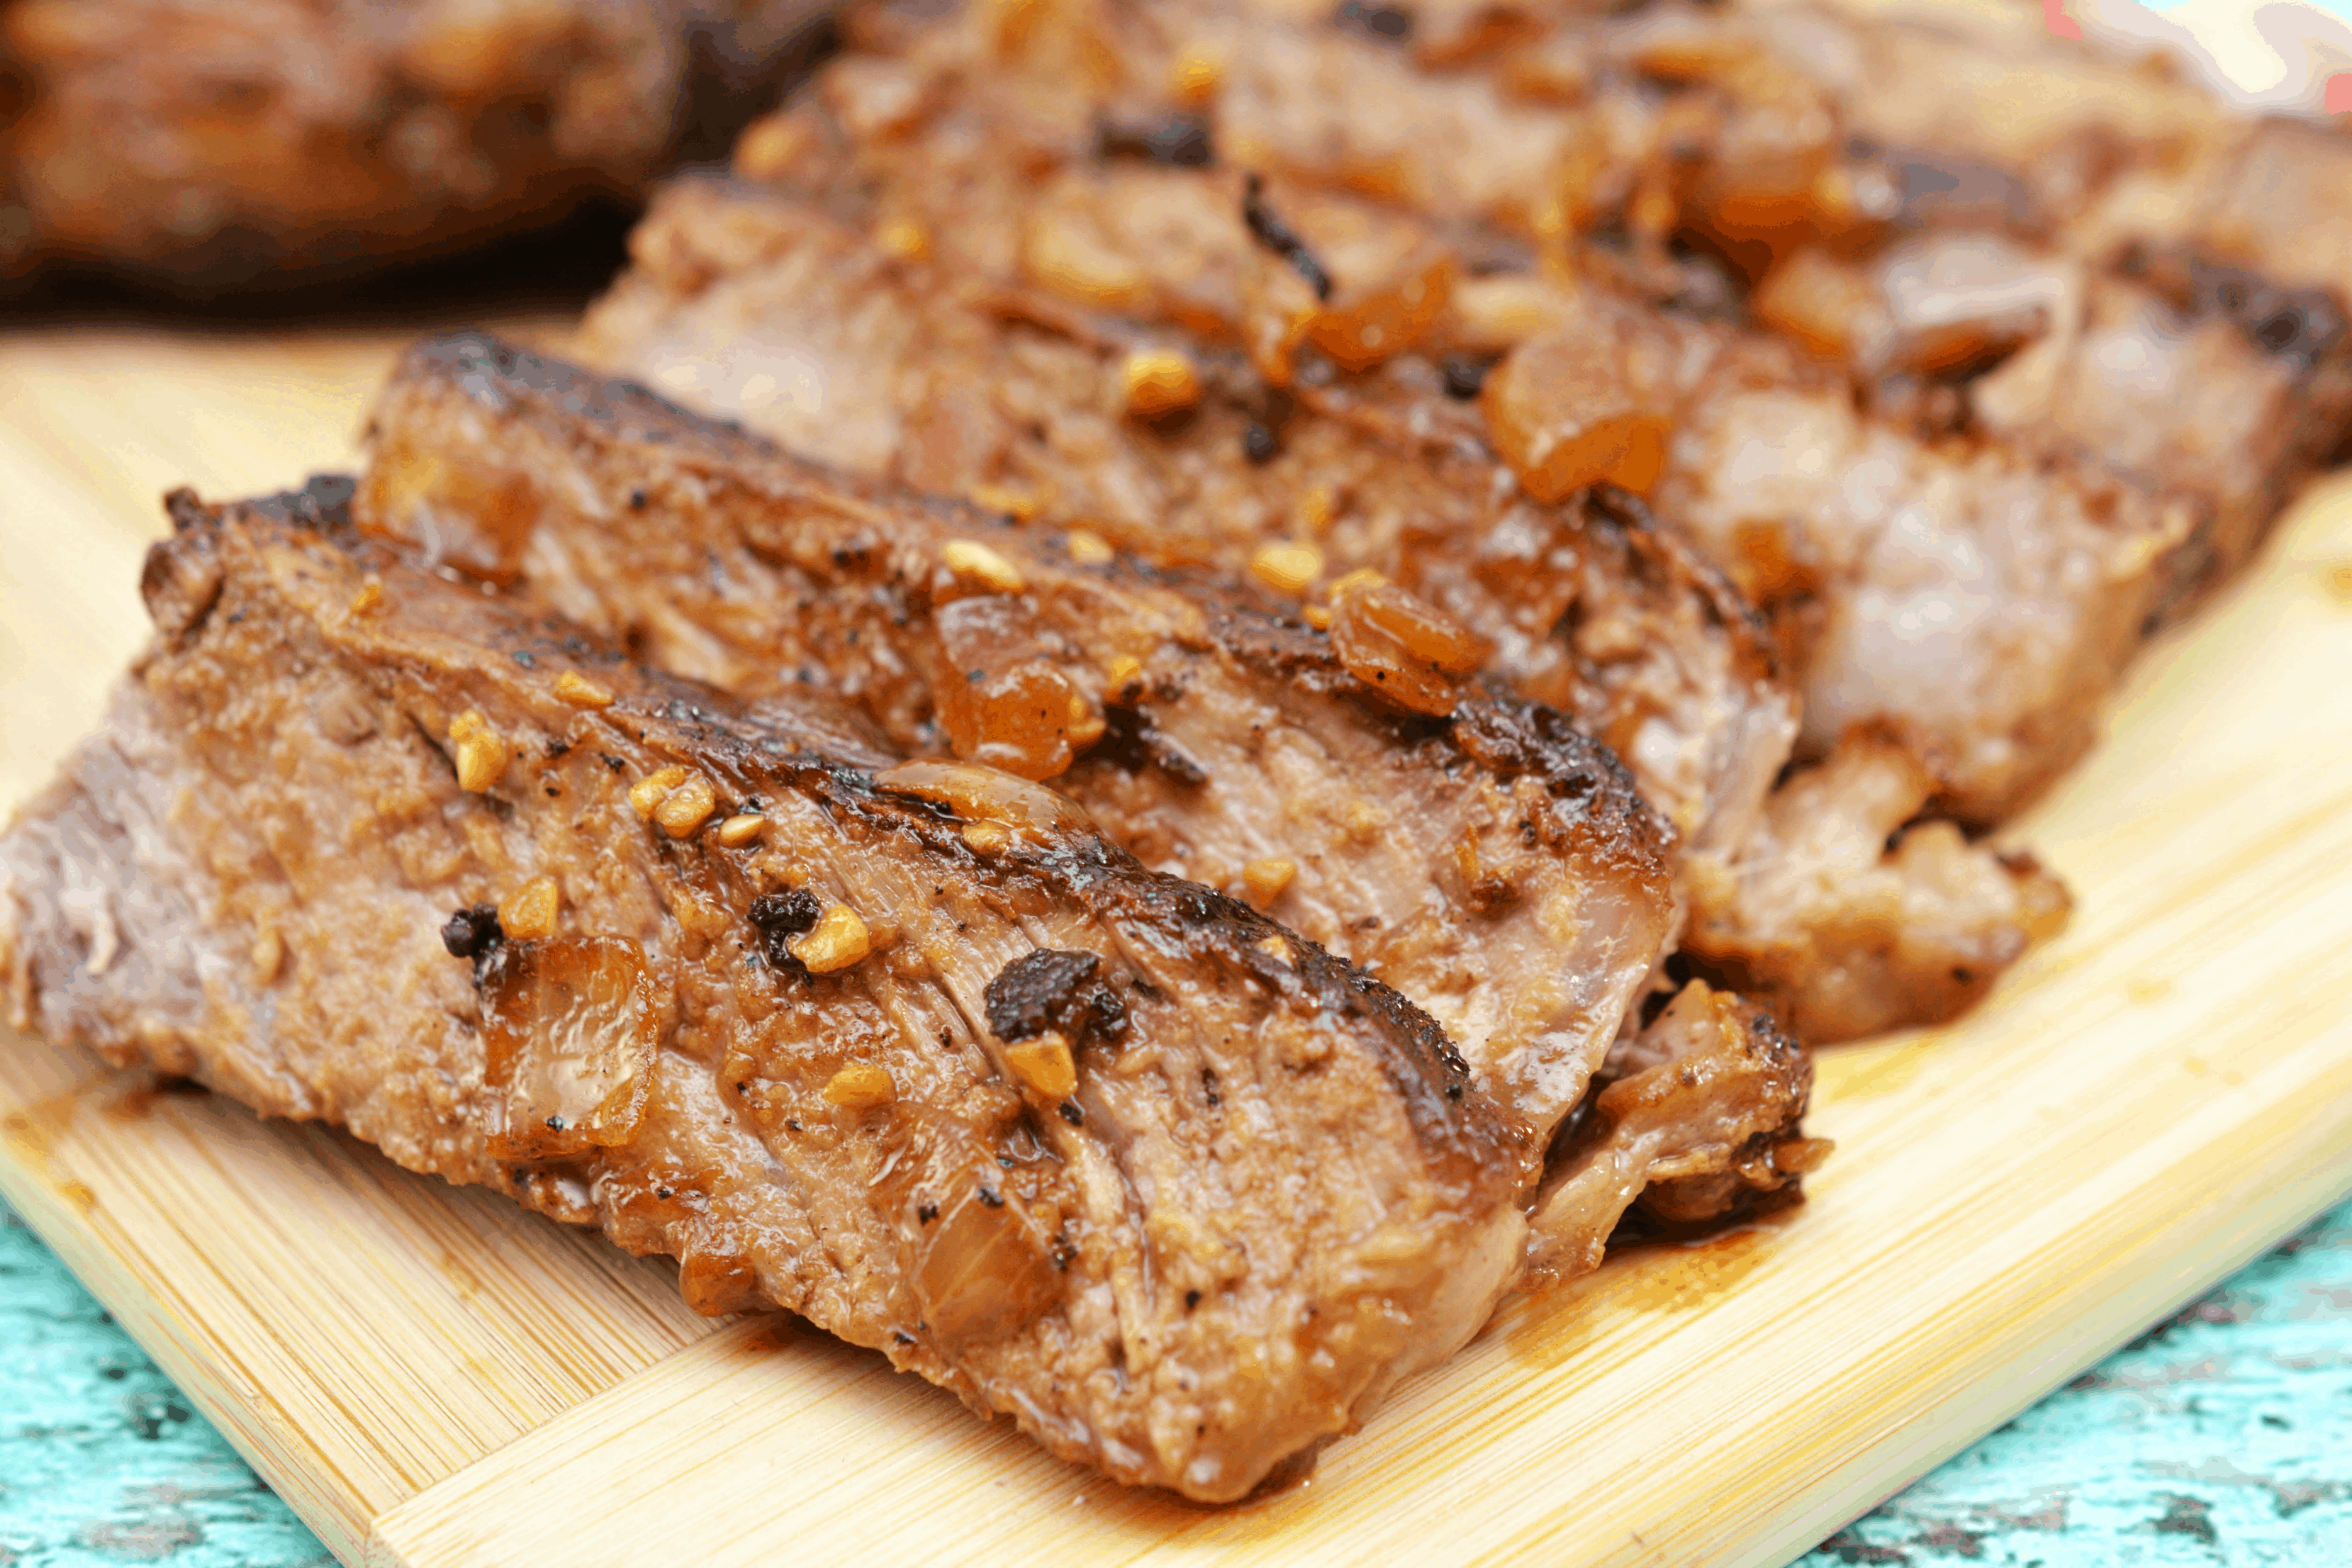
[(1464, 375), (471, 932)]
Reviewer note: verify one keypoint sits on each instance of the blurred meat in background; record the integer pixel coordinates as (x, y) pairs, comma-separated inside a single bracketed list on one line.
[(201, 149)]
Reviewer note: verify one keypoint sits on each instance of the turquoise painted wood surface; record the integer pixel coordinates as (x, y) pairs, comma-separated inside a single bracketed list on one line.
[(2224, 1435)]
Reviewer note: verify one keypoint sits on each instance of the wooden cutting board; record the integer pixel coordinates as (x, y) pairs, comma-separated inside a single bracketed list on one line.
[(432, 1378)]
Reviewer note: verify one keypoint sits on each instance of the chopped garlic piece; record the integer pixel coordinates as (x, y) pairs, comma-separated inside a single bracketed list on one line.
[(1121, 678), (904, 238), (860, 1086), (976, 563), (530, 909), (1288, 568), (1157, 383), (688, 806), (1195, 75), (580, 692), (741, 829), (1268, 880), (839, 940), (482, 752), (647, 793), (1044, 1066)]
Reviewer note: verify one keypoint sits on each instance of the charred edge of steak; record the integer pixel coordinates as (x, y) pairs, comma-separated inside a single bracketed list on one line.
[(746, 753), (1505, 733), (497, 375)]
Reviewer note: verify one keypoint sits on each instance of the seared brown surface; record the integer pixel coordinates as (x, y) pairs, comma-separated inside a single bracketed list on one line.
[(923, 308), (207, 147), (1488, 861), (763, 307), (814, 1055), (1692, 1121)]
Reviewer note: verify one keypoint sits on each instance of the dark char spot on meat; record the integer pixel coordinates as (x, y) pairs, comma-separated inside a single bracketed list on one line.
[(1050, 989), (779, 917), (1269, 229), (471, 932), (1181, 140)]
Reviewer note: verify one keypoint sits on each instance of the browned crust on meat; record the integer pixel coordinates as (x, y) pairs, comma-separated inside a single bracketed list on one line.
[(1448, 847), (273, 827)]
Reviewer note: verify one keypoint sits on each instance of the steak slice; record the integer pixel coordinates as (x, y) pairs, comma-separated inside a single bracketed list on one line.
[(993, 391), (1490, 862), (203, 150), (908, 1049), (1691, 1123), (1014, 397)]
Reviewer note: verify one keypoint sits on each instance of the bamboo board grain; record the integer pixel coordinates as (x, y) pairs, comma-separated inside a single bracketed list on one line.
[(434, 1379)]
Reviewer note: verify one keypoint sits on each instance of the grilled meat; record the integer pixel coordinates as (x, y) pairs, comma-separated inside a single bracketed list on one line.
[(202, 148), (763, 307), (907, 1048), (1485, 859), (1691, 1121), (1002, 370)]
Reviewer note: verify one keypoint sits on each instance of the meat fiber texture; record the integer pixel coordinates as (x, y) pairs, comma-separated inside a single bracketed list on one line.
[(202, 148), (1484, 859), (904, 1047), (804, 1059), (920, 305)]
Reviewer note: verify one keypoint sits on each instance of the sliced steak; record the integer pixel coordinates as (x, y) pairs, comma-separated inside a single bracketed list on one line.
[(1010, 389), (910, 1050), (1487, 861), (1692, 1122), (203, 148)]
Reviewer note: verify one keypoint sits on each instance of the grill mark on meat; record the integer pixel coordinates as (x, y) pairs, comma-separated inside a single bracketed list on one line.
[(1013, 1288)]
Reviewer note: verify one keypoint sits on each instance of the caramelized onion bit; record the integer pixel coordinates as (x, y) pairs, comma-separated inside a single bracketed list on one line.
[(569, 1025), (1004, 701), (476, 518), (979, 794), (1578, 406), (1404, 648), (982, 1268)]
